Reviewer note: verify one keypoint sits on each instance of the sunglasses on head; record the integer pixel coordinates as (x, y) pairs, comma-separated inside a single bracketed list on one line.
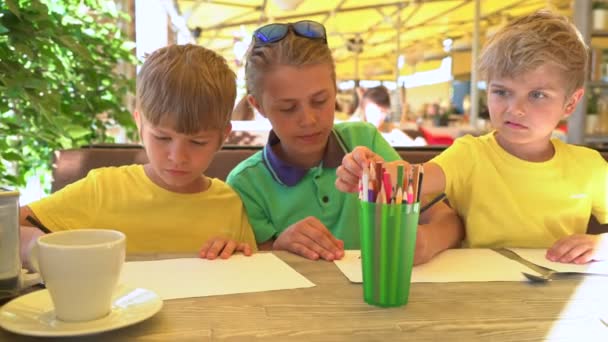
[(272, 33)]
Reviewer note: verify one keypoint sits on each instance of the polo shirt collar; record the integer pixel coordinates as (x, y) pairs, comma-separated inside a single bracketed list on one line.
[(288, 174)]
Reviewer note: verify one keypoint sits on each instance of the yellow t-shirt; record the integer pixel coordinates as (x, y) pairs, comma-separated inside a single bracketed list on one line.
[(152, 218), (508, 202)]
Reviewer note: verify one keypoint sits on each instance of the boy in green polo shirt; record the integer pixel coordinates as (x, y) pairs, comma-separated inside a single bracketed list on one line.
[(289, 188)]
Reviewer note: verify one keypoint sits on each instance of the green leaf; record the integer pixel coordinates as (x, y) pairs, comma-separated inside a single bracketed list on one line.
[(77, 132), (12, 6), (3, 29), (73, 45), (10, 179), (34, 83), (11, 156)]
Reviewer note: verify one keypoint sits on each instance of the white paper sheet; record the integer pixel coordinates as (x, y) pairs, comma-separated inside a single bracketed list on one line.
[(452, 265), (537, 256), (193, 277)]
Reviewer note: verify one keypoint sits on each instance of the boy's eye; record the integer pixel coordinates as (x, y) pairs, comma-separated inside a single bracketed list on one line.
[(319, 102), (499, 92), (287, 109), (161, 138), (537, 95), (200, 143)]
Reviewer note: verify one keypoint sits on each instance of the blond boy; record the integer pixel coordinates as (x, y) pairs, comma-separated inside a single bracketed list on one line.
[(185, 95), (517, 187)]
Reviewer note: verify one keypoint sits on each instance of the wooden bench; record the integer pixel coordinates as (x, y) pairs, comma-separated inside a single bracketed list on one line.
[(74, 164)]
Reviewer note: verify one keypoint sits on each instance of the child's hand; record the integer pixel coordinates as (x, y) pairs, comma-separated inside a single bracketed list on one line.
[(350, 171), (579, 249), (224, 248), (311, 239)]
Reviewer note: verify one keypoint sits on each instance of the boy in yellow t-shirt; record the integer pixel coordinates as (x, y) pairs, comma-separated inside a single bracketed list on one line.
[(517, 187), (185, 96)]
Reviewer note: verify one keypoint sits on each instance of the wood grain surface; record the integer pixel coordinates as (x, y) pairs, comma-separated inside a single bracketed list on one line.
[(334, 310)]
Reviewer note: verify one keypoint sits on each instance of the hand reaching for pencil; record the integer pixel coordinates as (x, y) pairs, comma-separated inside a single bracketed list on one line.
[(224, 248), (351, 170), (311, 239)]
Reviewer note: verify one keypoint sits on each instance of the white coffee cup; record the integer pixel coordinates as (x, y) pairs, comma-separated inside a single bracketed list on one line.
[(80, 268)]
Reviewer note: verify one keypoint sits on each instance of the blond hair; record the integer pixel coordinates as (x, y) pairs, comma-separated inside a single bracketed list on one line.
[(531, 41), (190, 85), (292, 50)]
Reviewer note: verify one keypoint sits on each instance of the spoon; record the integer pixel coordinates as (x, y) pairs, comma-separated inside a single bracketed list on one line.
[(543, 278)]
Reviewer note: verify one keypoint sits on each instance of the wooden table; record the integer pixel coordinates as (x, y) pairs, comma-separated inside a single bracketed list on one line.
[(562, 310)]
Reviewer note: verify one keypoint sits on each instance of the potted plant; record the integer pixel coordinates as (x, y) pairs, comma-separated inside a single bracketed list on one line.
[(58, 62)]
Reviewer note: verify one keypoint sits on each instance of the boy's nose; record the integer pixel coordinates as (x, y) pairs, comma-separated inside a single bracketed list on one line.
[(517, 107), (309, 117), (178, 153)]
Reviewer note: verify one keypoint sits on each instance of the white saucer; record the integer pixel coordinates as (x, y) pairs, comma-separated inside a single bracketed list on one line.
[(33, 314)]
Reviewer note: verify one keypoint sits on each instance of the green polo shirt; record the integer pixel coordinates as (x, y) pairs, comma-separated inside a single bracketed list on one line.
[(277, 195)]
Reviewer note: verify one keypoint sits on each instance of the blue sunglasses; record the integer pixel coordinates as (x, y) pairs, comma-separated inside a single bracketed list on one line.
[(273, 33)]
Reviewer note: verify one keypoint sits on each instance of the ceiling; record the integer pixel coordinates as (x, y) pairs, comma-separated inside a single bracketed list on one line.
[(418, 26)]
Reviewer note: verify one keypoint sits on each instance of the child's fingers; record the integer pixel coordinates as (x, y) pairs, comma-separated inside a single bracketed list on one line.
[(363, 155), (350, 167), (216, 247), (559, 249), (205, 248), (347, 187), (318, 233), (228, 249), (584, 258), (244, 248), (308, 238), (359, 159), (319, 243), (575, 251), (346, 181), (304, 251)]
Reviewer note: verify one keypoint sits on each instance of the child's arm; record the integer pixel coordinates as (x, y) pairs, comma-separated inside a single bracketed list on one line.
[(440, 228), (311, 239), (579, 249), (224, 248), (582, 248)]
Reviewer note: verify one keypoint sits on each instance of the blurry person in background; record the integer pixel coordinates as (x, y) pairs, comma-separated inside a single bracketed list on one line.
[(243, 111), (375, 107), (245, 133)]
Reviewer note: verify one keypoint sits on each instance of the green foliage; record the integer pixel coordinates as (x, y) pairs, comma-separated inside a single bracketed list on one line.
[(58, 63), (599, 5), (592, 101)]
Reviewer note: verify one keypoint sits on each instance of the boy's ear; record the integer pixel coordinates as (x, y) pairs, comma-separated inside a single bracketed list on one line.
[(254, 103), (575, 98), (225, 135), (227, 130), (136, 118)]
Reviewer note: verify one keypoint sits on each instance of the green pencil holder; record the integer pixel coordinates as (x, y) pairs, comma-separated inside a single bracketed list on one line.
[(388, 241)]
